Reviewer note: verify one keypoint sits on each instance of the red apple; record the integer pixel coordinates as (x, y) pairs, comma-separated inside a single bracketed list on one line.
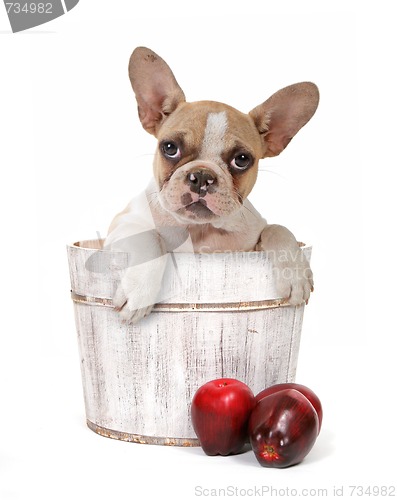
[(283, 428), (220, 412), (311, 396)]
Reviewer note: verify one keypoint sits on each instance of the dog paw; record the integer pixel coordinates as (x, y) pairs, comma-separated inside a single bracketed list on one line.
[(129, 314), (294, 281), (137, 292), (132, 306)]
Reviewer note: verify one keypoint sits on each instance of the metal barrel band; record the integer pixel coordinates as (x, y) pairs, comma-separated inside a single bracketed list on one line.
[(183, 307), (138, 438)]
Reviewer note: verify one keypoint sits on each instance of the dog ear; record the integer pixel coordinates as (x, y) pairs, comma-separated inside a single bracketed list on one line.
[(156, 90), (280, 117)]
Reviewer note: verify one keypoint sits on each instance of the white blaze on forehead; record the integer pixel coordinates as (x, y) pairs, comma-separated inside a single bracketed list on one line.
[(215, 130)]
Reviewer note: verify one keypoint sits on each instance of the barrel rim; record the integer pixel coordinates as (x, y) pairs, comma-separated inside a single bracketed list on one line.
[(100, 241)]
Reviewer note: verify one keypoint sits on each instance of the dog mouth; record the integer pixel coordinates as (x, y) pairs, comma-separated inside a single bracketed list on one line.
[(200, 209)]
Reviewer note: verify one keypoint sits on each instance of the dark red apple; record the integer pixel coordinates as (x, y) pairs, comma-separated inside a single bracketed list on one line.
[(220, 412), (311, 396), (283, 428)]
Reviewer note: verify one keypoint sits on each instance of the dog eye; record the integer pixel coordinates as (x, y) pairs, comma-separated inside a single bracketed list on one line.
[(241, 161), (170, 149)]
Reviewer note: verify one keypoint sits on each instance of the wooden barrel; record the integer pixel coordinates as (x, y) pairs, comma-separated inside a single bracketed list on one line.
[(223, 319)]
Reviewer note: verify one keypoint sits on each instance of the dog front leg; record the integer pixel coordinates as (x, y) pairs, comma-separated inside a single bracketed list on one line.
[(139, 289), (294, 278), (141, 281)]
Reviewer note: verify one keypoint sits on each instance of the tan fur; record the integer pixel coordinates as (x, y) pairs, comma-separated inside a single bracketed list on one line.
[(188, 121)]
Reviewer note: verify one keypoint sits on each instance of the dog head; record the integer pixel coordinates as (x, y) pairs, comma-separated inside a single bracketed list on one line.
[(206, 162)]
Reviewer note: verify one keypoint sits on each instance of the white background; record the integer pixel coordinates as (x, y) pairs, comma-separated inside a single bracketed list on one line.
[(72, 154)]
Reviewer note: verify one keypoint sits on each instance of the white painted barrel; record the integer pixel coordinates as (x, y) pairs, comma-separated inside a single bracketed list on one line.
[(222, 319)]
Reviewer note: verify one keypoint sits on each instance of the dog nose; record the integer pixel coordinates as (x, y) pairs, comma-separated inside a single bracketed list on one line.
[(201, 181)]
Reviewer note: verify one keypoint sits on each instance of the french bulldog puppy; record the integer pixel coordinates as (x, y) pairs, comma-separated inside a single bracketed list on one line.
[(205, 166)]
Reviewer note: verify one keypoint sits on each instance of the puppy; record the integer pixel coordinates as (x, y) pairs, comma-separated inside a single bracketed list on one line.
[(205, 166)]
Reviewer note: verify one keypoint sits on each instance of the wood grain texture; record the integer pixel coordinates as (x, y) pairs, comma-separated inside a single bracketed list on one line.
[(140, 379)]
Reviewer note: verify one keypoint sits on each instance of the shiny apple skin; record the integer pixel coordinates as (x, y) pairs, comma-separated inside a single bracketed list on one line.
[(220, 412), (311, 396), (283, 428)]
